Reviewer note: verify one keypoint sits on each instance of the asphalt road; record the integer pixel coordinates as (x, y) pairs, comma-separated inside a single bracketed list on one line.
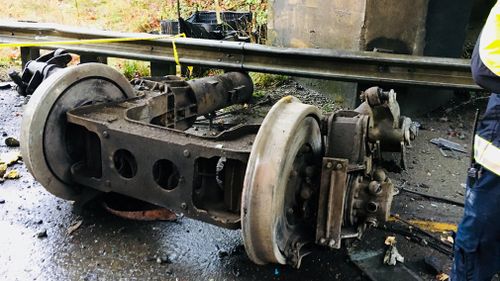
[(105, 247)]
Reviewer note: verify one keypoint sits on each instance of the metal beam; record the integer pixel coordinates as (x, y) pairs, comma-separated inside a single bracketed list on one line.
[(371, 67)]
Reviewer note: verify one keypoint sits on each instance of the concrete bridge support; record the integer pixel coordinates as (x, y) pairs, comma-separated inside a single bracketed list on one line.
[(418, 27)]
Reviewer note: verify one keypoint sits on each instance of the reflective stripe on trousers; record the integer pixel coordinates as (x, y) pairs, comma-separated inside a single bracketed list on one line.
[(487, 154)]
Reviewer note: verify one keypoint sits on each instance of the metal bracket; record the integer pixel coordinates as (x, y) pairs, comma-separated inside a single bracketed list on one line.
[(331, 203)]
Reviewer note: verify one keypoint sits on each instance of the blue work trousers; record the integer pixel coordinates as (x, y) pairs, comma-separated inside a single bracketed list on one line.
[(477, 243)]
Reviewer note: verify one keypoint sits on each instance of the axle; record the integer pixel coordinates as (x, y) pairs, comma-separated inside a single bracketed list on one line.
[(294, 178)]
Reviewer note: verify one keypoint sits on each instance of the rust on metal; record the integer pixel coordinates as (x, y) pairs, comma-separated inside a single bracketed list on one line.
[(288, 181), (333, 187), (342, 65), (159, 214)]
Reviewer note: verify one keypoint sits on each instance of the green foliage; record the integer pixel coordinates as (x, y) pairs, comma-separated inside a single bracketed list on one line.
[(328, 108), (10, 57), (131, 68), (259, 93), (264, 80), (121, 15), (259, 8)]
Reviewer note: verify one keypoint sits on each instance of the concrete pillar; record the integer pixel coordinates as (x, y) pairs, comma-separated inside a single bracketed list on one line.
[(332, 24), (316, 23), (414, 27), (397, 26)]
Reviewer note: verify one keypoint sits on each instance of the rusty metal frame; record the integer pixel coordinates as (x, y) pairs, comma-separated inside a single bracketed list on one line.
[(149, 143), (315, 63)]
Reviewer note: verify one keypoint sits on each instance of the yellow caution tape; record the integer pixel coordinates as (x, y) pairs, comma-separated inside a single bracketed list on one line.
[(101, 41), (432, 226), (84, 41), (176, 55)]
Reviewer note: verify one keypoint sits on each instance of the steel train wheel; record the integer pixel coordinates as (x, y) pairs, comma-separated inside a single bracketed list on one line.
[(289, 140), (45, 134)]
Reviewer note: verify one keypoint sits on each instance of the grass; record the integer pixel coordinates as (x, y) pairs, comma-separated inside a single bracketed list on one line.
[(120, 15), (116, 15), (131, 68), (264, 80), (10, 58)]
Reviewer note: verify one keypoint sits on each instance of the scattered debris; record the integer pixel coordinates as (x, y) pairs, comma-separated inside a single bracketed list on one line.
[(452, 132), (134, 209), (3, 169), (74, 226), (442, 277), (12, 175), (42, 234), (11, 142), (395, 191), (448, 239), (6, 85), (443, 153), (10, 158), (430, 240), (276, 271), (392, 255), (447, 144), (390, 240), (163, 260), (370, 262), (432, 197)]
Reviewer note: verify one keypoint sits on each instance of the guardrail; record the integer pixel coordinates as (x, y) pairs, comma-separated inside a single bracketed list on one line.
[(379, 68)]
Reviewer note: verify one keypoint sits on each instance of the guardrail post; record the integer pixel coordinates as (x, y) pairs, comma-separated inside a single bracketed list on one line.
[(93, 58), (29, 53), (162, 68)]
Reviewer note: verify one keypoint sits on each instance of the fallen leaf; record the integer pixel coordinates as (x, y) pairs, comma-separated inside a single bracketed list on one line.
[(390, 240), (12, 175), (448, 239), (3, 169), (442, 277), (74, 226), (10, 158)]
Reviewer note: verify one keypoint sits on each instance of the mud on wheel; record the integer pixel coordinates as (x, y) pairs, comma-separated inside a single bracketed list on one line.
[(277, 201)]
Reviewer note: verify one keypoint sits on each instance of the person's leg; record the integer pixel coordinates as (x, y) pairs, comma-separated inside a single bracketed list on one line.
[(477, 244)]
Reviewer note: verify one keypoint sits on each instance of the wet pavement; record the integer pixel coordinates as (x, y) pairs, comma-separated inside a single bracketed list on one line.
[(105, 247)]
